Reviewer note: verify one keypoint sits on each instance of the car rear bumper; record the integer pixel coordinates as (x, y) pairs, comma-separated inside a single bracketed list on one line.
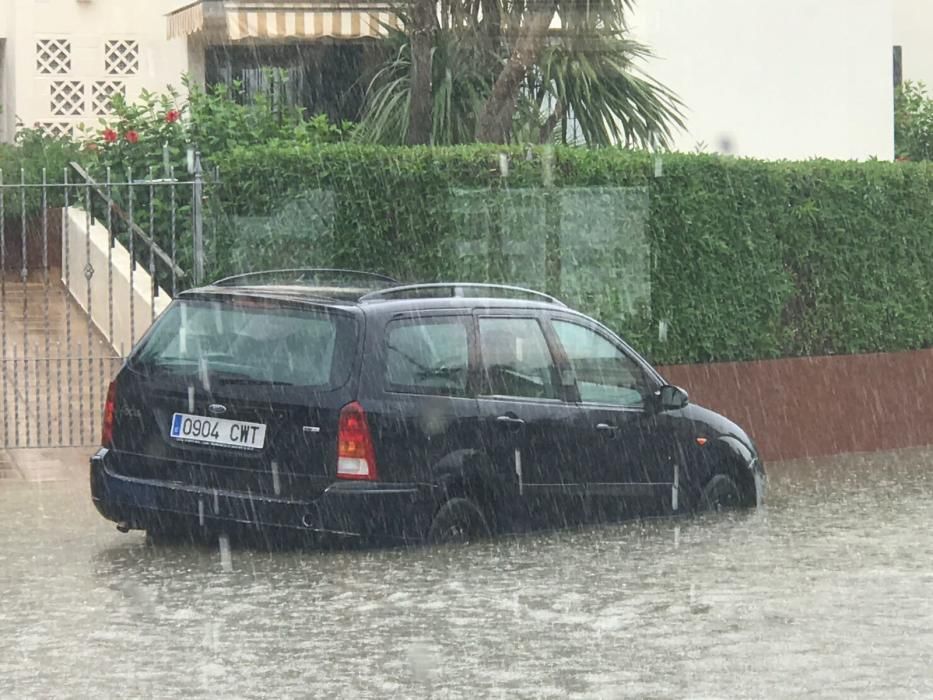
[(345, 510)]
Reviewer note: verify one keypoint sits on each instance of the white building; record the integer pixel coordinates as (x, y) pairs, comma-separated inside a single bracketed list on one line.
[(63, 59), (778, 78), (765, 78), (913, 25)]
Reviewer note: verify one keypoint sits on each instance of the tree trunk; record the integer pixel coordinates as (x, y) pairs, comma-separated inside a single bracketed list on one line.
[(424, 24), (494, 122), (544, 136)]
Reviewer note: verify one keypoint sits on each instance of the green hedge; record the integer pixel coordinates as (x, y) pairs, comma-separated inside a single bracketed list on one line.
[(32, 158), (737, 259)]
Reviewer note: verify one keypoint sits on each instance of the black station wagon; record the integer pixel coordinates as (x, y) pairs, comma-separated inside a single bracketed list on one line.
[(346, 406)]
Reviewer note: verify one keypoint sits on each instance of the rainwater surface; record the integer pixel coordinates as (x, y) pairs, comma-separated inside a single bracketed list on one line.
[(825, 592)]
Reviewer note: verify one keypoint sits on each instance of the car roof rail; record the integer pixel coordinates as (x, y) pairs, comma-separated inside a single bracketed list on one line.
[(456, 289), (308, 277)]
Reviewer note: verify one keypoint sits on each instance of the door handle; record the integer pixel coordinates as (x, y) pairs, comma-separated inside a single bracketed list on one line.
[(606, 427), (510, 421)]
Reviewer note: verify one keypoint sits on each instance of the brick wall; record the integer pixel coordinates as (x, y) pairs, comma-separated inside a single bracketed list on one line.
[(809, 407)]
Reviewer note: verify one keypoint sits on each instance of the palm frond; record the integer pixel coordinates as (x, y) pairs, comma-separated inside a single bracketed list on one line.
[(589, 68), (597, 77), (461, 79)]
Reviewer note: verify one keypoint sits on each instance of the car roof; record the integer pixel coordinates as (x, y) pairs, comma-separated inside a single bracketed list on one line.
[(313, 297), (387, 297), (361, 290)]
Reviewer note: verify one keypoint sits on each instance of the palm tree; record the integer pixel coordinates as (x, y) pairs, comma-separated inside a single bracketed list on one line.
[(460, 81), (501, 72)]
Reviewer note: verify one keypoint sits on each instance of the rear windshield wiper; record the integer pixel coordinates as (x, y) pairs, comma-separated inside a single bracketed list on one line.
[(149, 368), (249, 380), (191, 369)]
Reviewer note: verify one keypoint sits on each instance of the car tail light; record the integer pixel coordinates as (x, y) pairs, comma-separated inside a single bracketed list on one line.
[(355, 456), (110, 408)]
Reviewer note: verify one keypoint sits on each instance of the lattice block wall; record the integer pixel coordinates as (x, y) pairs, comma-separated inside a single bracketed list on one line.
[(77, 83), (57, 129), (102, 92), (121, 57), (53, 56), (68, 98)]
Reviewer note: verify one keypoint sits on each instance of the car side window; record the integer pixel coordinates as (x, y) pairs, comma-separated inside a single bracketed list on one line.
[(516, 358), (604, 373), (427, 356)]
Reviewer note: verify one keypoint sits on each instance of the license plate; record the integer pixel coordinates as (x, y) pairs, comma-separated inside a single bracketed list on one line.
[(218, 431)]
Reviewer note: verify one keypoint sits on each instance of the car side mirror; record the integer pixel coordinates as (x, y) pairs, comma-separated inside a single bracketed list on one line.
[(672, 398)]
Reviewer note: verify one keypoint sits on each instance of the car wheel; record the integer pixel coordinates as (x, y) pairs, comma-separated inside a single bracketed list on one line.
[(458, 521), (720, 493)]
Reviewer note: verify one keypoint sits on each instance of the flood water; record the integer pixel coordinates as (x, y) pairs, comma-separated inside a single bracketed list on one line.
[(826, 592)]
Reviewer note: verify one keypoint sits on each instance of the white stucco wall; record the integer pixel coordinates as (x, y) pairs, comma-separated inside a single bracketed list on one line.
[(7, 78), (111, 280), (777, 78), (913, 32), (4, 89), (87, 25)]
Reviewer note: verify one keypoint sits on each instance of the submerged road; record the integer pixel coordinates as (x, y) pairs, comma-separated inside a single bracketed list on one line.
[(824, 593)]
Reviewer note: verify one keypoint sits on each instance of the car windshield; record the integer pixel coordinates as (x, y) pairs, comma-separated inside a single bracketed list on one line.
[(259, 344)]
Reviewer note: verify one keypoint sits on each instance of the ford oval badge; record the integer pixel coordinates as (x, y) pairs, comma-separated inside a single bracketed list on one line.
[(217, 409)]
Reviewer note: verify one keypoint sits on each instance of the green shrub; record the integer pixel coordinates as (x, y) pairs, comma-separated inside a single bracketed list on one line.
[(736, 259), (715, 259), (913, 122), (156, 131), (31, 158)]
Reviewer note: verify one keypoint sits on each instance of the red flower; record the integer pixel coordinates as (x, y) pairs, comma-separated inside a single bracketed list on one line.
[(110, 136), (172, 116), (132, 136)]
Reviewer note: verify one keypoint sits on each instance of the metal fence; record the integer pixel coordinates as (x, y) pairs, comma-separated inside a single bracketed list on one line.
[(85, 265)]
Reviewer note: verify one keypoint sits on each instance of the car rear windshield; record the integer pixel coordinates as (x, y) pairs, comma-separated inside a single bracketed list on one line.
[(250, 342)]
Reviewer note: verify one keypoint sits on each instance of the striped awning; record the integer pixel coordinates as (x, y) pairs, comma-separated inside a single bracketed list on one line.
[(236, 20), (186, 21)]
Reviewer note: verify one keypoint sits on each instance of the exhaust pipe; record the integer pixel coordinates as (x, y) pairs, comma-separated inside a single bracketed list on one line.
[(123, 526)]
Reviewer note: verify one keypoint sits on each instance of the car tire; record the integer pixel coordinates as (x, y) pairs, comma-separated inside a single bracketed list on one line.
[(720, 493), (458, 521)]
